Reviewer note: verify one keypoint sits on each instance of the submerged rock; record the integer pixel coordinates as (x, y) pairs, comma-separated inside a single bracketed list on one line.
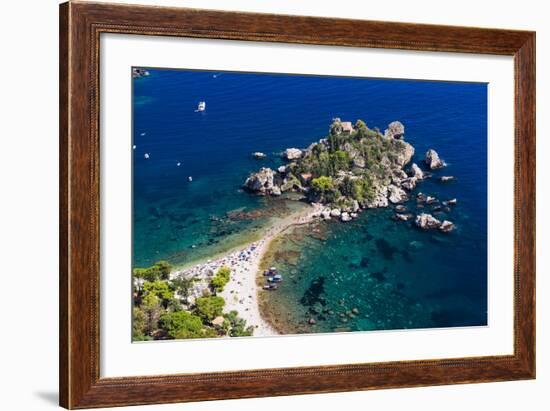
[(400, 209), (403, 216), (432, 160)]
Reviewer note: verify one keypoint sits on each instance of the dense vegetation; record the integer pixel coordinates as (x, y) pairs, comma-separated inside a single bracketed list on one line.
[(163, 309), (346, 166)]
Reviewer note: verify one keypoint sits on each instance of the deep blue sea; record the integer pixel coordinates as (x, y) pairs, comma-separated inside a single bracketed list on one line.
[(393, 274)]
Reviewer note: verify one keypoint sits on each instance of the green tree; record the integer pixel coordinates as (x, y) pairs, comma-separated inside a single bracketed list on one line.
[(182, 285), (139, 325), (236, 326), (157, 292), (339, 161), (322, 184), (164, 268), (150, 300), (139, 273), (209, 308), (182, 324), (348, 187), (361, 129), (323, 189), (335, 137), (152, 311), (159, 271), (221, 278)]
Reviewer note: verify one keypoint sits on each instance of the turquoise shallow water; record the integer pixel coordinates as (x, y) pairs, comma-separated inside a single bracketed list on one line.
[(393, 275)]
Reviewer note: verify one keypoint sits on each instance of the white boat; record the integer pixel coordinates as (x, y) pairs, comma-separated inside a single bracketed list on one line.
[(201, 106), (190, 178), (146, 156)]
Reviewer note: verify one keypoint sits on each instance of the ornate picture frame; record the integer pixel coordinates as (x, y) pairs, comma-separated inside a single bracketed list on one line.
[(81, 25)]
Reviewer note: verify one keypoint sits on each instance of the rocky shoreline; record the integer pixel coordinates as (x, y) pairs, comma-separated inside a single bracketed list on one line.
[(356, 168)]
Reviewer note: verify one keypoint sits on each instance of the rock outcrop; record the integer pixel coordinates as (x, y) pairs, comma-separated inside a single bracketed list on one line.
[(395, 130), (261, 182), (345, 217), (259, 155), (432, 160), (404, 152), (292, 154), (431, 200), (446, 179), (416, 172), (380, 198), (427, 222), (361, 168), (396, 195), (398, 176), (335, 212), (446, 226), (409, 183)]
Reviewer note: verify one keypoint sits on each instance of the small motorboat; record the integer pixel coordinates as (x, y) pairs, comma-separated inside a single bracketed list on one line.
[(178, 164), (201, 106), (270, 287), (190, 178), (275, 279), (146, 156)]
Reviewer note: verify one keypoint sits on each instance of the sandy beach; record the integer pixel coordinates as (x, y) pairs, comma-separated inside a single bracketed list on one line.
[(241, 293)]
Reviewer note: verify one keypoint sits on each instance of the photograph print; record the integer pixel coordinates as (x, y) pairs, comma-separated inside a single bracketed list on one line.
[(274, 204)]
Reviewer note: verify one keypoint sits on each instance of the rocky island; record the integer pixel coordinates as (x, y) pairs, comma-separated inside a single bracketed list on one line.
[(353, 168)]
